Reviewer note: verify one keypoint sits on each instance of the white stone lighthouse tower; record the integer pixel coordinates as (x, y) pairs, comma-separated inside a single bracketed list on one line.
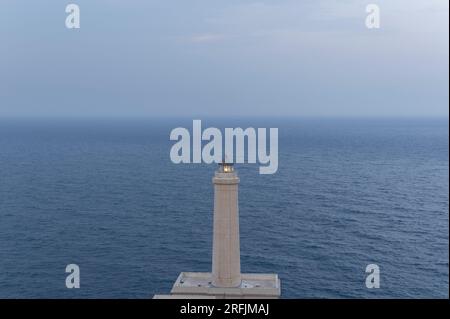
[(226, 279), (226, 260)]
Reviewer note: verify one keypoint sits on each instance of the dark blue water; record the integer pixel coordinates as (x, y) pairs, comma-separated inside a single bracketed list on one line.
[(105, 195)]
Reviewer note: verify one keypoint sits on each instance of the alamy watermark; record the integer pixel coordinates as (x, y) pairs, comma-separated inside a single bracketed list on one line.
[(373, 277), (373, 17), (73, 19), (73, 279), (218, 149)]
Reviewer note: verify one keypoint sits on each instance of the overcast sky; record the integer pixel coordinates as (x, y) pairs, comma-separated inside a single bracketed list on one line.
[(229, 57)]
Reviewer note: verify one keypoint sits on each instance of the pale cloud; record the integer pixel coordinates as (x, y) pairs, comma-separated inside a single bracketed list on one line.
[(328, 16), (205, 38)]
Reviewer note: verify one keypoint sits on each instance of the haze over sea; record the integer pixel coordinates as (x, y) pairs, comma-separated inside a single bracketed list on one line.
[(104, 194)]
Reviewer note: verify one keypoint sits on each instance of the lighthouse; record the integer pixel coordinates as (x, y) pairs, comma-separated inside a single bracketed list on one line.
[(225, 279), (226, 258)]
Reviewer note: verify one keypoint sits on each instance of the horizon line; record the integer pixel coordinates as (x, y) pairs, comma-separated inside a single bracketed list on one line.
[(230, 116)]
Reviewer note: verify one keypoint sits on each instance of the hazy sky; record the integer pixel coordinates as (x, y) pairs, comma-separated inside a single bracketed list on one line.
[(230, 57)]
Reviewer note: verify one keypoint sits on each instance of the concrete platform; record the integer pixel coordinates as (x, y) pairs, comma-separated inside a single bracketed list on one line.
[(199, 284), (183, 297)]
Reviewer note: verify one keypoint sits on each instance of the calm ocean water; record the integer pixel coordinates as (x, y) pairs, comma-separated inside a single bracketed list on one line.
[(105, 195)]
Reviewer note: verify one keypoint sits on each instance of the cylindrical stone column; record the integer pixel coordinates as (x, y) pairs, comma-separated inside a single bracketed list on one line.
[(226, 260)]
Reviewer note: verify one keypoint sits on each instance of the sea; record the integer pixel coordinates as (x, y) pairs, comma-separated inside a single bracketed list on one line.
[(104, 194)]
